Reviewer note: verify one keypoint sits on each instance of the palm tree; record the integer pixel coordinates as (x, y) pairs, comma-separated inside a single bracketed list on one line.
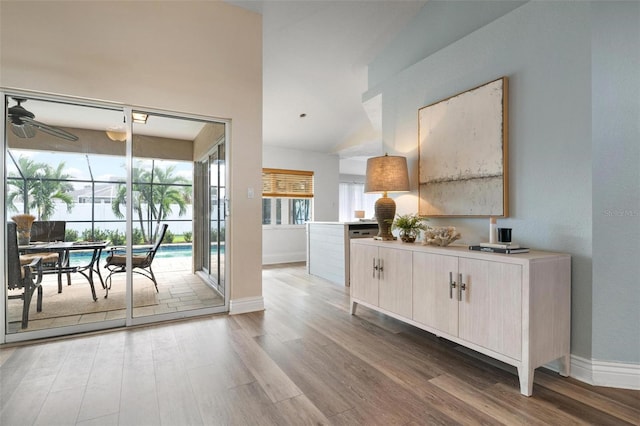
[(165, 194), (155, 192), (141, 195), (41, 185)]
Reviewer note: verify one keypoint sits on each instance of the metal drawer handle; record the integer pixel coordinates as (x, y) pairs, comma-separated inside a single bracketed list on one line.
[(452, 285), (462, 287)]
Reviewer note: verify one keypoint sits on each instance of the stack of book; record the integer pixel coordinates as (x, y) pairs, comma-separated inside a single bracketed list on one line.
[(506, 248)]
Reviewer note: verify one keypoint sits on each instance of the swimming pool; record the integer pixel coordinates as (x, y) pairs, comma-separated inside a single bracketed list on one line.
[(78, 258), (178, 250)]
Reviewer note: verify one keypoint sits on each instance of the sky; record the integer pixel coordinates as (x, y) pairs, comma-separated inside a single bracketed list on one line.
[(103, 167)]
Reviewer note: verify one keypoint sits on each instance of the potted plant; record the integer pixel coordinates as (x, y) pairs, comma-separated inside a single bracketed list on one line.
[(409, 225)]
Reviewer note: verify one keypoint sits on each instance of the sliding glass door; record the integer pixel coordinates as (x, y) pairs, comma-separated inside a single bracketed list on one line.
[(163, 217), (60, 174), (109, 196)]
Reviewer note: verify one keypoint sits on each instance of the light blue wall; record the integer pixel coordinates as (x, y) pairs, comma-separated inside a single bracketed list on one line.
[(545, 48), (616, 181), (439, 25)]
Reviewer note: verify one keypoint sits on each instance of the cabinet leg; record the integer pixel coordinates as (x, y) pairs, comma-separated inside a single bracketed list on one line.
[(565, 365), (525, 375), (353, 307)]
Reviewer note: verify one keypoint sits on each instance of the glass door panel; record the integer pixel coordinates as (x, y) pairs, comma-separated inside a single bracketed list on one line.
[(61, 170), (164, 278), (201, 185), (217, 197)]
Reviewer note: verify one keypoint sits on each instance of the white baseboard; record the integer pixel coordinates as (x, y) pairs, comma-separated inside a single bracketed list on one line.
[(616, 374), (289, 257), (245, 305), (603, 373), (581, 369)]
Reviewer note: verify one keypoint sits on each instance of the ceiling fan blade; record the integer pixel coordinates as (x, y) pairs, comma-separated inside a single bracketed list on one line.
[(23, 131), (53, 131)]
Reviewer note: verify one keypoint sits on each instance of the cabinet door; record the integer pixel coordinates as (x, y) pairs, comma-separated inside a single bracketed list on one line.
[(364, 278), (433, 304), (491, 306), (395, 287)]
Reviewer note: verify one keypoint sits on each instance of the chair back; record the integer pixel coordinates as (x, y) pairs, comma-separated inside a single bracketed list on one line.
[(14, 275), (156, 246), (48, 230)]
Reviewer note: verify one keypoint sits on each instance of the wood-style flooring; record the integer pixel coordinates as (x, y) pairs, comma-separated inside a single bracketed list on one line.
[(303, 361)]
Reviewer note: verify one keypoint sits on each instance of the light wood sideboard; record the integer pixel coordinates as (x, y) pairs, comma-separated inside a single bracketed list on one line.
[(515, 308)]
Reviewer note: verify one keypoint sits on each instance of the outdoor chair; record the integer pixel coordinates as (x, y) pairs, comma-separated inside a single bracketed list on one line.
[(142, 258), (49, 231), (22, 276)]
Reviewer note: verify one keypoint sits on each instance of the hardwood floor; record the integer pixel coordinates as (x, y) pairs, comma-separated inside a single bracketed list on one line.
[(304, 360)]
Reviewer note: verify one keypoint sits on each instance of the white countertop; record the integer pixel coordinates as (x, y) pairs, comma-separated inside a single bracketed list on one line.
[(362, 222)]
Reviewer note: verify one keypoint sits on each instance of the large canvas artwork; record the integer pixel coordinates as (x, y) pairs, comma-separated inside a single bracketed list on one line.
[(463, 153)]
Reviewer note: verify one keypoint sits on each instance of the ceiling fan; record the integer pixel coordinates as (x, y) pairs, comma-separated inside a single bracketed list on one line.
[(23, 124)]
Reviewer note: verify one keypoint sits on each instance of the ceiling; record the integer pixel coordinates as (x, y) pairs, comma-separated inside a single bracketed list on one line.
[(70, 116), (315, 57)]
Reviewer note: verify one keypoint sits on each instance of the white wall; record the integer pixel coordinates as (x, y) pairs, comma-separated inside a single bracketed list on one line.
[(167, 55), (284, 244), (288, 243)]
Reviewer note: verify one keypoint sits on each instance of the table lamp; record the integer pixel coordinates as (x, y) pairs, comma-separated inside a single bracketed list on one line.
[(359, 214), (386, 174)]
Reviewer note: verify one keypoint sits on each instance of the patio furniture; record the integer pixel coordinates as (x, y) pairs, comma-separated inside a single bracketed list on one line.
[(141, 259), (52, 262), (22, 276), (48, 230), (62, 249)]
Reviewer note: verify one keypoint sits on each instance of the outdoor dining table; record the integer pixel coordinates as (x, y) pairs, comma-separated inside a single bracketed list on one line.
[(64, 249)]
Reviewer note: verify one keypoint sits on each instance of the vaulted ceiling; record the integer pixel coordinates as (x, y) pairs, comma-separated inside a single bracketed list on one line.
[(315, 57)]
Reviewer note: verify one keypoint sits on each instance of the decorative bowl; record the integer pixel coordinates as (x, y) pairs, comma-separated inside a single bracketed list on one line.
[(440, 236)]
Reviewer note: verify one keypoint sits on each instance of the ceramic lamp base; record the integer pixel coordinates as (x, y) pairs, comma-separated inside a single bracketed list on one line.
[(385, 212)]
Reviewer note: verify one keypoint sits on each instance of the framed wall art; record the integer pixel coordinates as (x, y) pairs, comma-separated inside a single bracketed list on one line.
[(463, 153)]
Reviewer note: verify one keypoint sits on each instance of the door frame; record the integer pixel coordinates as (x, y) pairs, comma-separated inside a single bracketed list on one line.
[(202, 222)]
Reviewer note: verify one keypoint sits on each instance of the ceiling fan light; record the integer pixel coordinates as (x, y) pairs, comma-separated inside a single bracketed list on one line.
[(116, 134), (23, 131), (23, 124)]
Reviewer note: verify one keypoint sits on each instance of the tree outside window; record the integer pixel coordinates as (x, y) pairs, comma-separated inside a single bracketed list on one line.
[(40, 185), (286, 211), (155, 191)]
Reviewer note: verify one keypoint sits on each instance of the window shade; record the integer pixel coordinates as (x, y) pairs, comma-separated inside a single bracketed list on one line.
[(287, 183)]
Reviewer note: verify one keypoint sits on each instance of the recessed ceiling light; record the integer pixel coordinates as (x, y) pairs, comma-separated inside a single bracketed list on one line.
[(139, 117)]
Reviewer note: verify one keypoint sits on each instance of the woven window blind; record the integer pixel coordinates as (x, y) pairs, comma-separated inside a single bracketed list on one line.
[(287, 183)]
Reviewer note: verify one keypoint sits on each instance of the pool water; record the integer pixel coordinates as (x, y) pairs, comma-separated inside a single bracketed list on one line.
[(175, 251), (79, 258)]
